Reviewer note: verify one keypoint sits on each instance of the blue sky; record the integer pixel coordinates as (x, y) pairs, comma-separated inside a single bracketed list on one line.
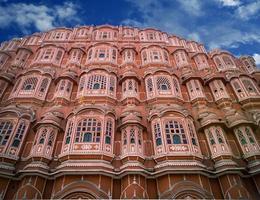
[(233, 25)]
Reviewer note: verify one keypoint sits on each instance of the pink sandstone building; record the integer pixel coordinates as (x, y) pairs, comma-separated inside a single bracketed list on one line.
[(121, 112)]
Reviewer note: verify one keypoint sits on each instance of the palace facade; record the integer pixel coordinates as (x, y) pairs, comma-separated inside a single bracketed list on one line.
[(121, 112)]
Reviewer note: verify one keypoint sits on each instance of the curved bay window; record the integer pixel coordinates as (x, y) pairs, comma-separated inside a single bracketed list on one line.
[(201, 61), (218, 89), (12, 133), (75, 56), (181, 58), (3, 85), (244, 87), (154, 55), (44, 141), (247, 141), (195, 89), (174, 135), (21, 57), (49, 54), (132, 140), (249, 64), (224, 62), (162, 85), (102, 53), (33, 85), (3, 59), (217, 142), (64, 89), (91, 132), (98, 83), (130, 88), (128, 56)]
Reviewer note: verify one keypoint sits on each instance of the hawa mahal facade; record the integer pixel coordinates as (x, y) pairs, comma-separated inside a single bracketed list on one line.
[(120, 112)]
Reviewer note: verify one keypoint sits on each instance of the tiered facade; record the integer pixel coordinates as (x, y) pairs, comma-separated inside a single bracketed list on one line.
[(120, 112)]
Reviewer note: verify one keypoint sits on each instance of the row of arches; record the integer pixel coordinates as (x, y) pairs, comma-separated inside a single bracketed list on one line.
[(55, 55), (36, 82)]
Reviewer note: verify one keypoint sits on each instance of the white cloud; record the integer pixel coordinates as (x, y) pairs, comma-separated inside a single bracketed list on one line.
[(40, 17), (193, 7), (249, 10), (256, 56), (230, 3), (224, 32)]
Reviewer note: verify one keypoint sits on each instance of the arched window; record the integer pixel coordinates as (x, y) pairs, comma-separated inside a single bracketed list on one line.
[(219, 136), (157, 134), (30, 83), (163, 83), (19, 134), (218, 63), (241, 137), (211, 138), (144, 56), (150, 85), (247, 141), (132, 136), (125, 137), (42, 136), (109, 129), (175, 133), (69, 132), (249, 85), (112, 84), (228, 62), (44, 86), (176, 87), (192, 134), (218, 89), (88, 130), (81, 83), (6, 128), (249, 135), (51, 139)]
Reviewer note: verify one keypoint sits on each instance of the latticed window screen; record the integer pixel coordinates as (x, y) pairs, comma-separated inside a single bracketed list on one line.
[(227, 60), (249, 86), (125, 137), (176, 86), (132, 136), (237, 86), (220, 137), (150, 85), (109, 127), (112, 84), (241, 137), (175, 133), (97, 82), (218, 63), (19, 134), (157, 134), (192, 134), (42, 137), (51, 139), (44, 85), (249, 135), (58, 56), (88, 130), (30, 83), (82, 83), (163, 83), (68, 132), (6, 128), (211, 138)]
